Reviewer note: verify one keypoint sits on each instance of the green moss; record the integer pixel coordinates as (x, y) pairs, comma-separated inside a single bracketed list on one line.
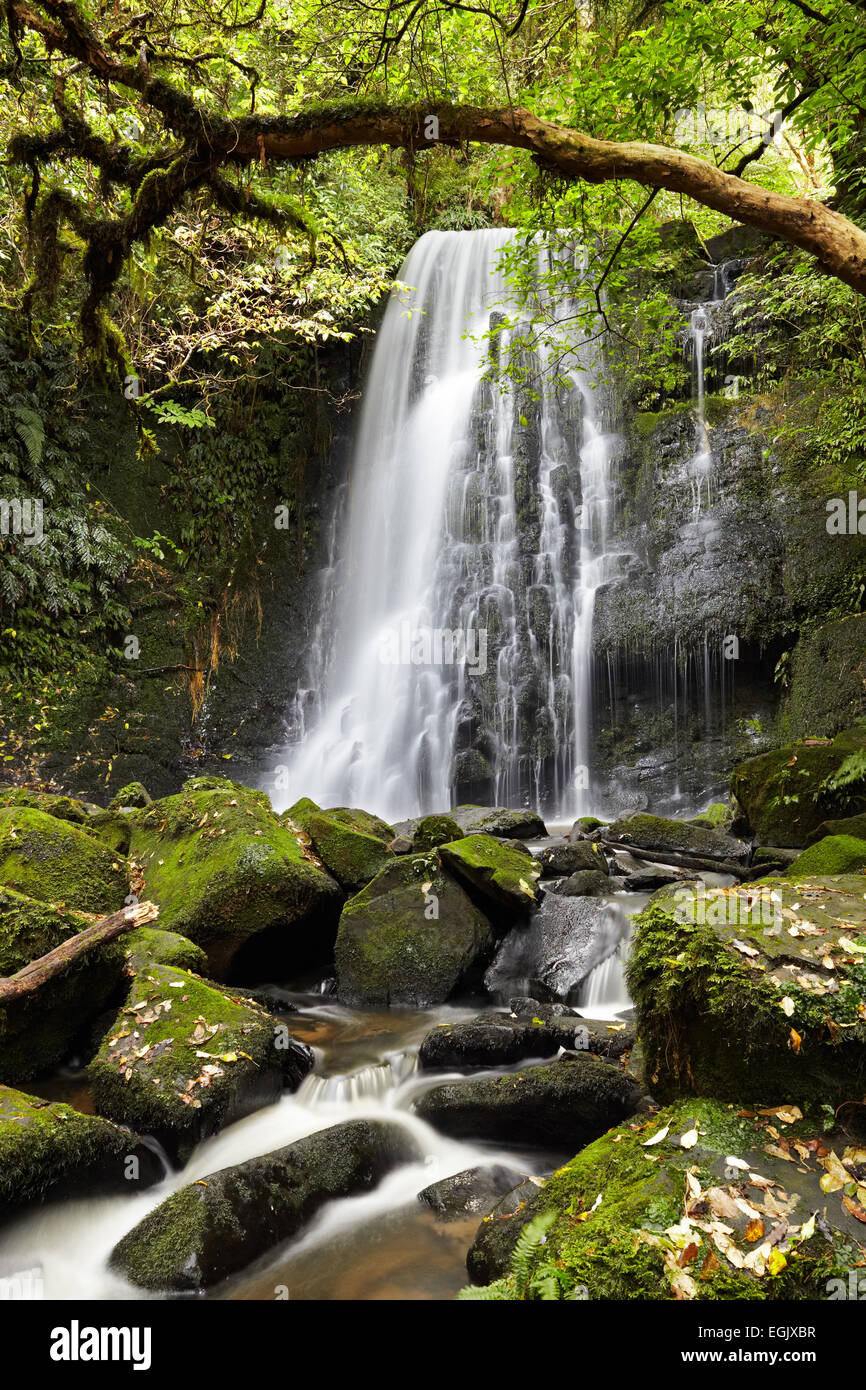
[(54, 861), (36, 1031), (114, 829), (657, 833), (63, 807), (433, 831), (499, 874), (299, 814), (147, 946), (786, 794), (716, 816), (224, 869), (835, 854), (133, 794), (351, 855)]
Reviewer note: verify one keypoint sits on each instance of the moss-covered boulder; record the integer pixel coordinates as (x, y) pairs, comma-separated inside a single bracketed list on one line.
[(785, 795), (571, 857), (134, 794), (210, 1229), (633, 1219), (299, 813), (586, 883), (182, 1060), (718, 816), (433, 831), (754, 992), (412, 936), (499, 1039), (39, 1029), (49, 1150), (487, 820), (835, 854), (349, 853), (503, 879), (230, 875), (52, 860), (561, 1105), (848, 825), (677, 837), (68, 808), (147, 946), (113, 829)]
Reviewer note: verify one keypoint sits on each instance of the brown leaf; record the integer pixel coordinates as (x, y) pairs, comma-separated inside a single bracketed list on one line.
[(855, 1208)]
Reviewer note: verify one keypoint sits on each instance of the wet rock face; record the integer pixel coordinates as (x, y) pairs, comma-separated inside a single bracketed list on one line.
[(564, 1103), (565, 940), (785, 795), (474, 1192), (499, 1040), (207, 1231), (571, 857)]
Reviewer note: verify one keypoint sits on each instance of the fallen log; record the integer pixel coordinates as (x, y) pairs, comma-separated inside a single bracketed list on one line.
[(31, 977), (681, 859)]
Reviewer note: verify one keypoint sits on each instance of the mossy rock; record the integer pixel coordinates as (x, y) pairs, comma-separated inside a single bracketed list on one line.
[(585, 825), (299, 814), (785, 795), (114, 829), (733, 996), (849, 825), (146, 946), (347, 852), (716, 817), (134, 794), (230, 875), (486, 820), (835, 854), (503, 879), (182, 1060), (364, 822), (573, 857), (208, 1230), (54, 861), (678, 837), (68, 808), (38, 1030), (433, 831), (49, 1150), (559, 1105), (412, 936), (649, 1235)]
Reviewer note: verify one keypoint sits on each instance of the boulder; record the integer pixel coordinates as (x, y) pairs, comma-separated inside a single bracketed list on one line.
[(210, 1229), (48, 1150), (499, 877), (474, 1192), (487, 820), (571, 857), (182, 1060), (677, 837), (585, 825), (68, 808), (412, 936), (57, 862), (636, 1221), (134, 794), (565, 940), (38, 1030), (850, 825), (586, 883), (432, 831), (649, 879), (835, 854), (232, 876), (499, 1040), (785, 795), (757, 991), (146, 946), (347, 852), (562, 1104)]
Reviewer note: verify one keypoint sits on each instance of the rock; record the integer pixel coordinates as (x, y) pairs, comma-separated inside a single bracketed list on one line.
[(488, 820), (851, 825), (412, 936), (585, 825), (587, 883), (114, 829), (649, 879), (148, 946), (499, 877), (299, 814), (401, 844), (433, 831), (751, 1009), (785, 795), (134, 794), (563, 1104), (835, 854), (498, 1040), (38, 1030), (718, 816), (571, 858), (68, 808), (230, 875), (351, 855), (56, 862), (474, 1192), (677, 837), (182, 1060), (208, 1230), (617, 1251), (524, 1006), (565, 940), (48, 1150)]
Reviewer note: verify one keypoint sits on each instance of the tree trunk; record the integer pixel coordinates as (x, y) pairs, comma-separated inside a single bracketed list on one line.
[(33, 976)]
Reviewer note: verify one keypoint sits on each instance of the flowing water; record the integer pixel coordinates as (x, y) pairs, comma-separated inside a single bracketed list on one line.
[(475, 539)]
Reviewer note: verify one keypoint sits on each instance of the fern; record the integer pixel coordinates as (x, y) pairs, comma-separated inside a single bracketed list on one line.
[(526, 1279), (31, 432)]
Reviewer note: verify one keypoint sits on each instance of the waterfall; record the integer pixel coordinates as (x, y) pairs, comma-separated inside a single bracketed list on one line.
[(473, 544)]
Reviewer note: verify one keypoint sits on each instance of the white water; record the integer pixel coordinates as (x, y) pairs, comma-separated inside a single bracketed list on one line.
[(432, 543)]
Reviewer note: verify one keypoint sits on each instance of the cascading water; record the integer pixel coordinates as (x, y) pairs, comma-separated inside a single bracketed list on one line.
[(474, 543)]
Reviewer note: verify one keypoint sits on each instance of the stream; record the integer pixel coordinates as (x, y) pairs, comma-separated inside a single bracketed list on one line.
[(385, 1244)]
